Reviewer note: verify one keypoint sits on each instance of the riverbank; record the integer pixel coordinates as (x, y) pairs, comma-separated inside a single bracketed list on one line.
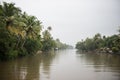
[(101, 44), (99, 51)]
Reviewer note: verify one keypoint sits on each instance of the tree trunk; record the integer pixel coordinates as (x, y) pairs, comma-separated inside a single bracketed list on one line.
[(17, 44), (23, 43)]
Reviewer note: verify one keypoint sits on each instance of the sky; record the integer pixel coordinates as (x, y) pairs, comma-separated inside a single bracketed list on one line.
[(73, 20)]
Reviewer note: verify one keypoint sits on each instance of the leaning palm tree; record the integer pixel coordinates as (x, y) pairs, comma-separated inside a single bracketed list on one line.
[(32, 28), (11, 17), (7, 12)]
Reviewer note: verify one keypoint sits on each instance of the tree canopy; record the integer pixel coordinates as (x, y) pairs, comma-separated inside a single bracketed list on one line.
[(20, 33), (104, 44)]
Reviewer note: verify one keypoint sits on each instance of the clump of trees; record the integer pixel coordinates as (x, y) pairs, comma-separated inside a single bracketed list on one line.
[(100, 43), (47, 40), (20, 33), (60, 45)]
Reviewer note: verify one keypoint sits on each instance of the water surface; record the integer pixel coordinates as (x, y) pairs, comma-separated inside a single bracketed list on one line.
[(62, 65)]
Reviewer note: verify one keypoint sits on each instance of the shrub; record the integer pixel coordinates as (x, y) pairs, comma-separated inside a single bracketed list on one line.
[(115, 49)]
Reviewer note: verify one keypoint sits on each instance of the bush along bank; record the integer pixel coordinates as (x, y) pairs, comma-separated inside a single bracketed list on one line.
[(101, 44)]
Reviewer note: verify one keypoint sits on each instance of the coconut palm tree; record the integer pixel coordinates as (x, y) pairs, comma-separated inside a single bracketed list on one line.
[(32, 28), (7, 12), (49, 28), (119, 30)]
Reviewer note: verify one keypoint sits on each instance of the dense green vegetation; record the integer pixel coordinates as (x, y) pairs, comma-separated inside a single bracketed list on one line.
[(20, 33), (110, 44), (60, 45)]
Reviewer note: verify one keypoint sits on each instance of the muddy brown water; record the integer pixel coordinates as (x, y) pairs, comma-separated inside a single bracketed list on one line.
[(62, 65)]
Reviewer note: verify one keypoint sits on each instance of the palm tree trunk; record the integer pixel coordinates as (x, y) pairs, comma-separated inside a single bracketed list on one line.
[(23, 43), (24, 39), (17, 44)]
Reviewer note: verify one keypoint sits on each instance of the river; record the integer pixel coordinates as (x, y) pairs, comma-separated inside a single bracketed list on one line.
[(62, 65)]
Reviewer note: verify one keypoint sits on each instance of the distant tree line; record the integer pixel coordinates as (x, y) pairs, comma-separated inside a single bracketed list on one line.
[(60, 45), (110, 44), (21, 34)]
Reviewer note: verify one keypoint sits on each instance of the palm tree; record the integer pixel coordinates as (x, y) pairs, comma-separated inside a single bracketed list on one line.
[(7, 12), (32, 28), (97, 36), (46, 35), (11, 16), (49, 28), (119, 30)]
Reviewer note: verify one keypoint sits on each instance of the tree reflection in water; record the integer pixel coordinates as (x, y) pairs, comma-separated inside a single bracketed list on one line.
[(102, 62), (62, 65), (27, 68)]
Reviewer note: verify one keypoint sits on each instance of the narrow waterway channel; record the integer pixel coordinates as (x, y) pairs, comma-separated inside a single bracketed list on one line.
[(62, 65)]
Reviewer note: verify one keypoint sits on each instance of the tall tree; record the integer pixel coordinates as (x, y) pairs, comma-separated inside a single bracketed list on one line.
[(49, 28), (32, 28), (7, 12)]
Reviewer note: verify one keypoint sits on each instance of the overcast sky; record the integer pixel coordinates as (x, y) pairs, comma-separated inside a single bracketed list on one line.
[(73, 20)]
